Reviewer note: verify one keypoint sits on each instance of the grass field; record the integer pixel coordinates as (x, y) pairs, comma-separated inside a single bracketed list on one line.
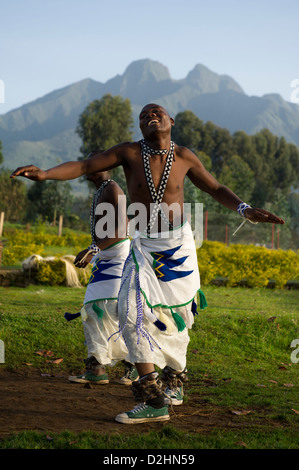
[(239, 359)]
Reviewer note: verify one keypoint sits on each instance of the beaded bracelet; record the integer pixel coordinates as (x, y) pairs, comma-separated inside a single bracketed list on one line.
[(242, 208), (93, 249)]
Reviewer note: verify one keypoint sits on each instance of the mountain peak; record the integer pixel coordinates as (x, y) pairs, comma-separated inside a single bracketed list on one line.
[(210, 82), (142, 80), (145, 69), (45, 129), (276, 97)]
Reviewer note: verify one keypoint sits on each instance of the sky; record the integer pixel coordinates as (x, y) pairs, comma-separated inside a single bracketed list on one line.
[(48, 44)]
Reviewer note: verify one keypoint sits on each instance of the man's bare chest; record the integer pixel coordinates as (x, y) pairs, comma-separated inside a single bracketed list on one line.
[(139, 178)]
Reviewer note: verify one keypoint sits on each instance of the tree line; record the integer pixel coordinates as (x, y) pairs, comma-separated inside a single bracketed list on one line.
[(261, 168), (254, 166)]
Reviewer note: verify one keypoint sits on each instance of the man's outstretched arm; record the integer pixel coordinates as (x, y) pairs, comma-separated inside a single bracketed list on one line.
[(201, 178), (65, 171), (72, 170)]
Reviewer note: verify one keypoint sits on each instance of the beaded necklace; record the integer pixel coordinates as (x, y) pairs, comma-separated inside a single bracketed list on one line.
[(95, 198), (157, 196)]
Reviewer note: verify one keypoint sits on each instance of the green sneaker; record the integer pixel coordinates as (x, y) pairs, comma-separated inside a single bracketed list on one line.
[(143, 413), (130, 376), (90, 378), (175, 396)]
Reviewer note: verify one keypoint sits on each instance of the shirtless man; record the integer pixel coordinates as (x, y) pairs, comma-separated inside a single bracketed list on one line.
[(155, 124), (99, 315)]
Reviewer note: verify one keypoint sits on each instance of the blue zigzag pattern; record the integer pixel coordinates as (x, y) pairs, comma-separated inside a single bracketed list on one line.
[(164, 265), (97, 273)]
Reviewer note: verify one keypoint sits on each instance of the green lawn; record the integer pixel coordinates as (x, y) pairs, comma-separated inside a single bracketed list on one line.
[(239, 358)]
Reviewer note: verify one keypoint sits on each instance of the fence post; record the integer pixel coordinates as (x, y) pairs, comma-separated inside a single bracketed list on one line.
[(1, 223), (60, 225)]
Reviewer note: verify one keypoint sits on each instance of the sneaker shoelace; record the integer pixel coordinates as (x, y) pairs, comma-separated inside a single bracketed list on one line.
[(129, 372), (172, 391), (139, 407)]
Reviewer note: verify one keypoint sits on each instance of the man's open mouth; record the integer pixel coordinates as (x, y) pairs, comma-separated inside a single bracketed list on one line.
[(153, 121)]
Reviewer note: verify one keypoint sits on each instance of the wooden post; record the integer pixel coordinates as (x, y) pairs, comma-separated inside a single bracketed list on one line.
[(206, 225), (1, 223), (277, 237), (273, 226), (226, 235), (60, 225)]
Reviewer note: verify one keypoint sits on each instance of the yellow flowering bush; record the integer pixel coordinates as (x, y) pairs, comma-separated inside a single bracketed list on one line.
[(52, 273), (210, 258), (12, 254), (47, 239), (255, 265), (20, 244)]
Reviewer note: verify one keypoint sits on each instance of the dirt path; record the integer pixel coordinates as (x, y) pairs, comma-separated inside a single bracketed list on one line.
[(50, 403)]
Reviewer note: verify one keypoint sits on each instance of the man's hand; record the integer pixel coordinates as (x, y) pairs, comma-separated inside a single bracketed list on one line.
[(31, 172), (260, 215), (78, 260)]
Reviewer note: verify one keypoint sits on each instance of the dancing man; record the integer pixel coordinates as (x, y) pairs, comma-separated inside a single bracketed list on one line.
[(108, 253), (160, 281)]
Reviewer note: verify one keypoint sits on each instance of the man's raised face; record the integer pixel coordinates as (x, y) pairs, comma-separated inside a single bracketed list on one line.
[(154, 118)]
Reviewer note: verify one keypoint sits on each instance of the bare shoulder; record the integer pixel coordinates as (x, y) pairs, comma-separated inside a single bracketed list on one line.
[(187, 156), (114, 188), (111, 193), (124, 149), (184, 152)]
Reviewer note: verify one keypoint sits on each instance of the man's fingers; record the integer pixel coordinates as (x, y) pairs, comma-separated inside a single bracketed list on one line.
[(21, 170), (261, 215), (28, 171), (271, 218), (80, 264), (78, 260), (275, 220)]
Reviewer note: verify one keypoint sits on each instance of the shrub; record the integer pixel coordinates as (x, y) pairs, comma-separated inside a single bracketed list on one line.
[(210, 257), (20, 244), (19, 237), (255, 265), (52, 273), (237, 263), (14, 253)]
